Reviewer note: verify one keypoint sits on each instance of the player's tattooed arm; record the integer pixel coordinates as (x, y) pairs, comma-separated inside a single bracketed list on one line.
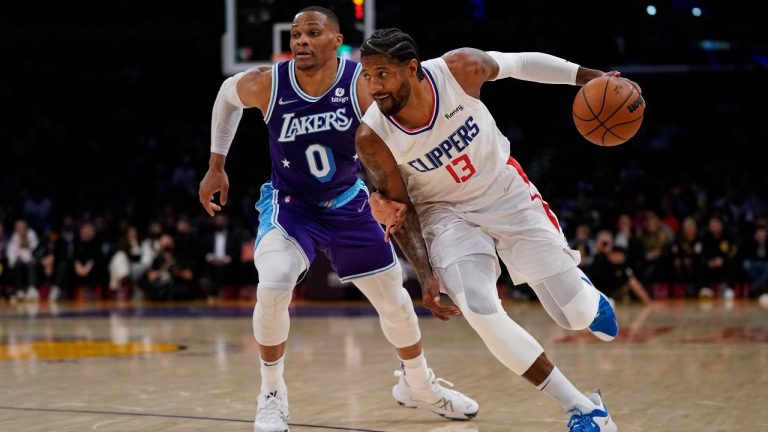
[(385, 177)]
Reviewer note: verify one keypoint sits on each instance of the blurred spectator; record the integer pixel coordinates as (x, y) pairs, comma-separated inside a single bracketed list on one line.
[(89, 266), (21, 261), (67, 236), (65, 252), (611, 274), (51, 264), (755, 263), (221, 250), (668, 218), (105, 238), (168, 278), (686, 259), (150, 246), (583, 243), (125, 267), (187, 244), (628, 239), (655, 238), (134, 252), (718, 254), (4, 271)]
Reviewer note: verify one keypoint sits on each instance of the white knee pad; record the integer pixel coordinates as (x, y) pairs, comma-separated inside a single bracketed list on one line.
[(393, 303), (472, 286), (569, 298), (279, 264)]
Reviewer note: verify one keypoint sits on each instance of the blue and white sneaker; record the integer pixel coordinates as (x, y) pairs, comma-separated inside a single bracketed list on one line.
[(596, 421), (605, 326)]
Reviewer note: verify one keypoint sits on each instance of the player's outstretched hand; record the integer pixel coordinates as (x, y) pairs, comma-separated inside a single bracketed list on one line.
[(214, 181), (389, 213), (431, 297)]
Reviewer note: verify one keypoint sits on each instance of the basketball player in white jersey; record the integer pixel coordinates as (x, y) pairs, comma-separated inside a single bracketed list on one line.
[(430, 143)]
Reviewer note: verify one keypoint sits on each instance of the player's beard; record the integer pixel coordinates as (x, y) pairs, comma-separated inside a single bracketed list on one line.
[(397, 100)]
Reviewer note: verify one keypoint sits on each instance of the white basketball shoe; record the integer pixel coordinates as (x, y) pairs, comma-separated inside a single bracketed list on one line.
[(598, 420), (272, 414), (436, 398)]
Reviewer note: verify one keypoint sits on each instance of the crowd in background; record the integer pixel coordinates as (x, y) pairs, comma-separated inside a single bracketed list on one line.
[(106, 123), (693, 245)]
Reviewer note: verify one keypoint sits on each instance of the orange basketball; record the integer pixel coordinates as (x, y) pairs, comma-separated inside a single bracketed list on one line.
[(608, 111)]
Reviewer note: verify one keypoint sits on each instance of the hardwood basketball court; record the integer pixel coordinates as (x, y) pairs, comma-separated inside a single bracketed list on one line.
[(678, 366)]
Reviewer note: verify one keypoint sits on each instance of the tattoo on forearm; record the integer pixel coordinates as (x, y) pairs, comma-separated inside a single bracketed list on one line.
[(409, 237), (372, 167), (412, 244)]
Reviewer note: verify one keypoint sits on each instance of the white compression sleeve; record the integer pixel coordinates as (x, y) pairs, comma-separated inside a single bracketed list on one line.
[(534, 66), (227, 112)]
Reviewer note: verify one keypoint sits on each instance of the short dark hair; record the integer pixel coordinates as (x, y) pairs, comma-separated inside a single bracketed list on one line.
[(325, 11), (393, 43)]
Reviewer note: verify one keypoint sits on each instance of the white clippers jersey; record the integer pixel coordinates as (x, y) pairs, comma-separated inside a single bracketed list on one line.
[(460, 157)]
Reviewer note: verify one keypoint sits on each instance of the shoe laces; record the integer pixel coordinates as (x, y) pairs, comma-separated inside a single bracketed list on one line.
[(579, 422), (443, 382), (272, 409), (434, 380)]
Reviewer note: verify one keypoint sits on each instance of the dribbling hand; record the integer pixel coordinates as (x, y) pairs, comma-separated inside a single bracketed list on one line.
[(214, 181), (618, 74)]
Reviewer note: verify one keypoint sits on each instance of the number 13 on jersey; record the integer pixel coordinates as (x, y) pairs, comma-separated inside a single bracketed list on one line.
[(463, 171)]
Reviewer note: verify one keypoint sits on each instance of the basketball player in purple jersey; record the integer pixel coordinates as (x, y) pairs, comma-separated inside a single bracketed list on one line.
[(312, 106)]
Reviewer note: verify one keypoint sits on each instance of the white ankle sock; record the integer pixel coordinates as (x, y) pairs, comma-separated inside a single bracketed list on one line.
[(416, 371), (272, 374), (557, 386)]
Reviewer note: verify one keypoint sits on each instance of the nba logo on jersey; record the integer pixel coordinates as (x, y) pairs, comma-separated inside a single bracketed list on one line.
[(339, 98)]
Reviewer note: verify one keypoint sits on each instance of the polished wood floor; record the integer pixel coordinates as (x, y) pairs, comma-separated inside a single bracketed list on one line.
[(678, 366)]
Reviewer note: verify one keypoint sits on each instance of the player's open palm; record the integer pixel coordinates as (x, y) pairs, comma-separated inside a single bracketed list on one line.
[(214, 181)]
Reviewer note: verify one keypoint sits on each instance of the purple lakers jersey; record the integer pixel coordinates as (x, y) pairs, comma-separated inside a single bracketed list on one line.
[(312, 139)]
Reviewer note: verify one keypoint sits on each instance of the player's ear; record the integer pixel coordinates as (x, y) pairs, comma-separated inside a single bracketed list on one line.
[(413, 66), (339, 40)]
